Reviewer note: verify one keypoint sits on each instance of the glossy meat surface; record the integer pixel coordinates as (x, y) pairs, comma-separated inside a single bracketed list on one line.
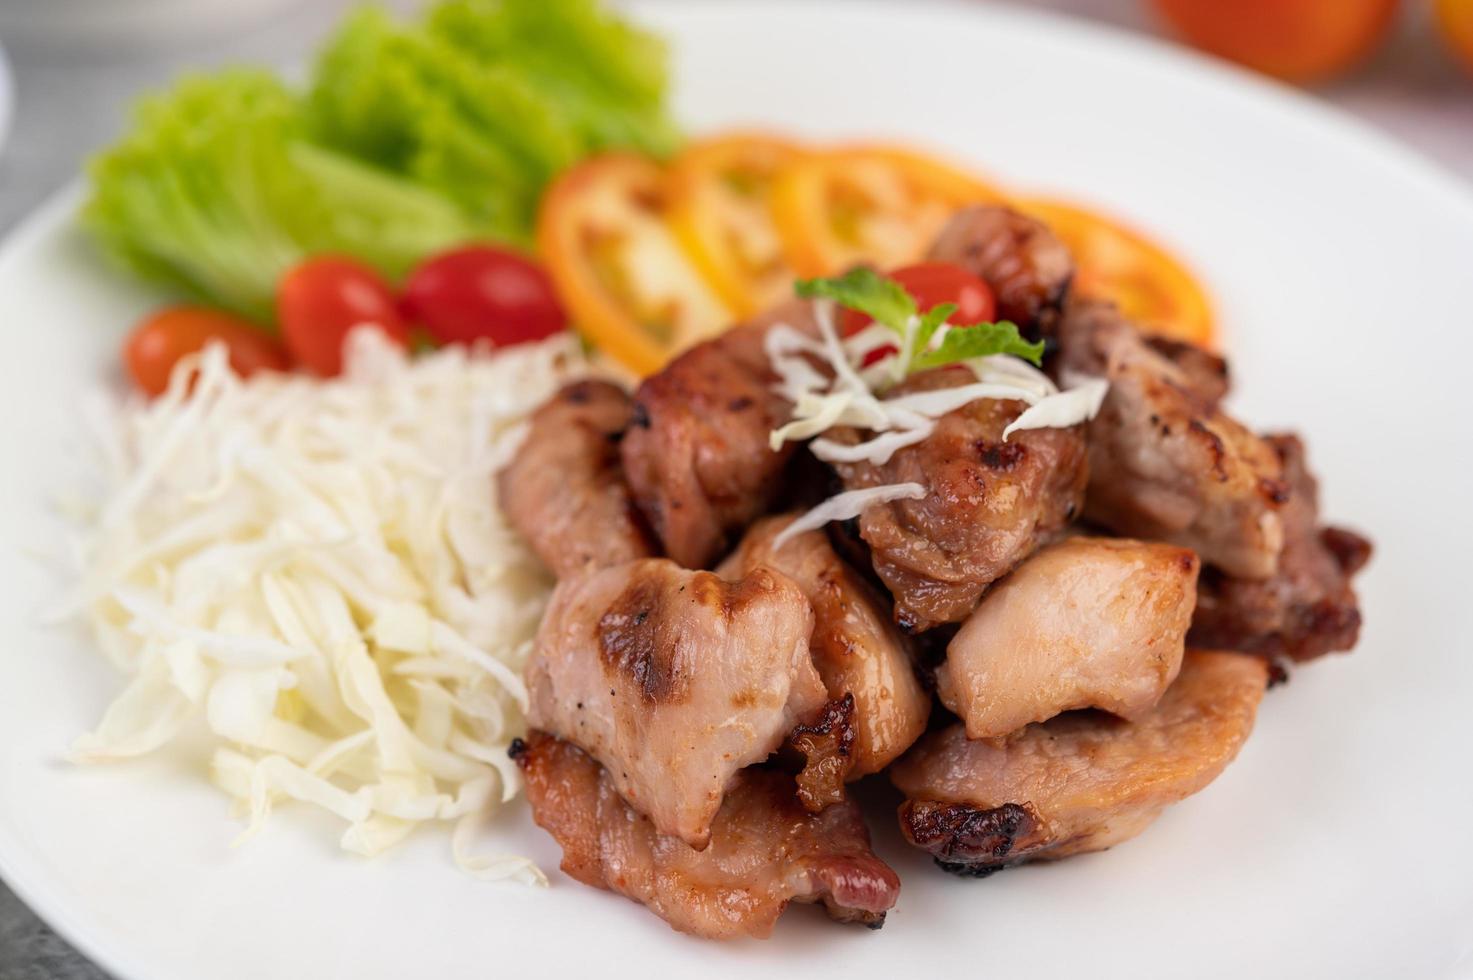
[(1165, 463), (765, 849), (1081, 782), (990, 503), (856, 647), (1028, 268), (1308, 608), (697, 457), (674, 680), (565, 492), (1085, 623)]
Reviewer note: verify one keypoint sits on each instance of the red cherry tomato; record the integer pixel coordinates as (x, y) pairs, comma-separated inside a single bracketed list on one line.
[(933, 283), (480, 292), (157, 344), (321, 299)]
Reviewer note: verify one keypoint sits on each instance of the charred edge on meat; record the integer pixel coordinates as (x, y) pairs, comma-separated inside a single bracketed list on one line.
[(1049, 311), (628, 639), (1214, 445), (1350, 550), (965, 839), (870, 920), (1003, 456), (826, 745), (1274, 490)]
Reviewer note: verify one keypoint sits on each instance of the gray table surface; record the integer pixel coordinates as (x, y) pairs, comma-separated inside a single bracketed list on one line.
[(71, 100)]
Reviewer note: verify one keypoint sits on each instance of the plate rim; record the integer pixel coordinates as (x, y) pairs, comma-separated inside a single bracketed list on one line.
[(105, 947)]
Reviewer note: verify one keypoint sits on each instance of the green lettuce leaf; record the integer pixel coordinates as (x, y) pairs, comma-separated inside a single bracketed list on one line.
[(978, 340), (865, 290), (487, 100), (412, 137), (216, 190)]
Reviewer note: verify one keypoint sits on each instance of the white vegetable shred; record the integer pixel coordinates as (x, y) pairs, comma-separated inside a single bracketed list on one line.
[(317, 573), (843, 506)]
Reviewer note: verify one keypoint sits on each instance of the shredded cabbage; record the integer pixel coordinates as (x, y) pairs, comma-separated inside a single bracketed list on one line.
[(317, 573), (843, 506)]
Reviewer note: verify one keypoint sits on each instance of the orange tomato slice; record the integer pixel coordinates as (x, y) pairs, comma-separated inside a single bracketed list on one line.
[(876, 204), (720, 207), (1117, 263), (628, 286)]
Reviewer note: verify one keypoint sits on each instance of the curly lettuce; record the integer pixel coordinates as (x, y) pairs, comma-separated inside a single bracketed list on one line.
[(486, 100), (217, 189), (410, 138)]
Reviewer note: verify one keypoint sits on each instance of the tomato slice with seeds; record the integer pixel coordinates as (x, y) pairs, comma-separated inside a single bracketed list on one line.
[(1120, 264), (880, 205), (604, 235), (721, 209)]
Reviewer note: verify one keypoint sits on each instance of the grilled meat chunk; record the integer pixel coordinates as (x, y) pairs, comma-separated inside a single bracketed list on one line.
[(564, 491), (1206, 373), (856, 648), (1080, 782), (765, 849), (1308, 607), (697, 456), (1028, 268), (827, 747), (674, 680), (1165, 463), (1085, 623), (990, 503)]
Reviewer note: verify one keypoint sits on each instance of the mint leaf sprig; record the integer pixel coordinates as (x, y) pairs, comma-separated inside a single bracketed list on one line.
[(889, 304)]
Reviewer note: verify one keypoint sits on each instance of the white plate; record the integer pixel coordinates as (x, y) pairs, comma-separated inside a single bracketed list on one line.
[(1338, 844)]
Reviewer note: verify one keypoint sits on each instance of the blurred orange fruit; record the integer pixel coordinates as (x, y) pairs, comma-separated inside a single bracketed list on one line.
[(1296, 40), (1456, 19)]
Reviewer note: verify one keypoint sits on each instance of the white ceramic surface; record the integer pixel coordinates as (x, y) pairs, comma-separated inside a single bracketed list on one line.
[(1337, 845)]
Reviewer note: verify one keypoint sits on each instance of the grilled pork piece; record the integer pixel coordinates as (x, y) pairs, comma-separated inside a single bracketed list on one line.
[(1165, 463), (856, 648), (1081, 782), (1085, 623), (564, 491), (1308, 607), (697, 457), (1206, 373), (1028, 268), (990, 503), (674, 680), (765, 849)]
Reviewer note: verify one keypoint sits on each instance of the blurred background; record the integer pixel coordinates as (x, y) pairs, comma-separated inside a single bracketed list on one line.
[(1403, 66), (1406, 66)]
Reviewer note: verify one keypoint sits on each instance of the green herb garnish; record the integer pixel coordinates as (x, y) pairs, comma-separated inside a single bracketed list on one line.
[(890, 305)]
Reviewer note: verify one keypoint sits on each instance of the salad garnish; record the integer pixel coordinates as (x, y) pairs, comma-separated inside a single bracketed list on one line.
[(863, 367), (315, 575), (410, 138), (923, 341)]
